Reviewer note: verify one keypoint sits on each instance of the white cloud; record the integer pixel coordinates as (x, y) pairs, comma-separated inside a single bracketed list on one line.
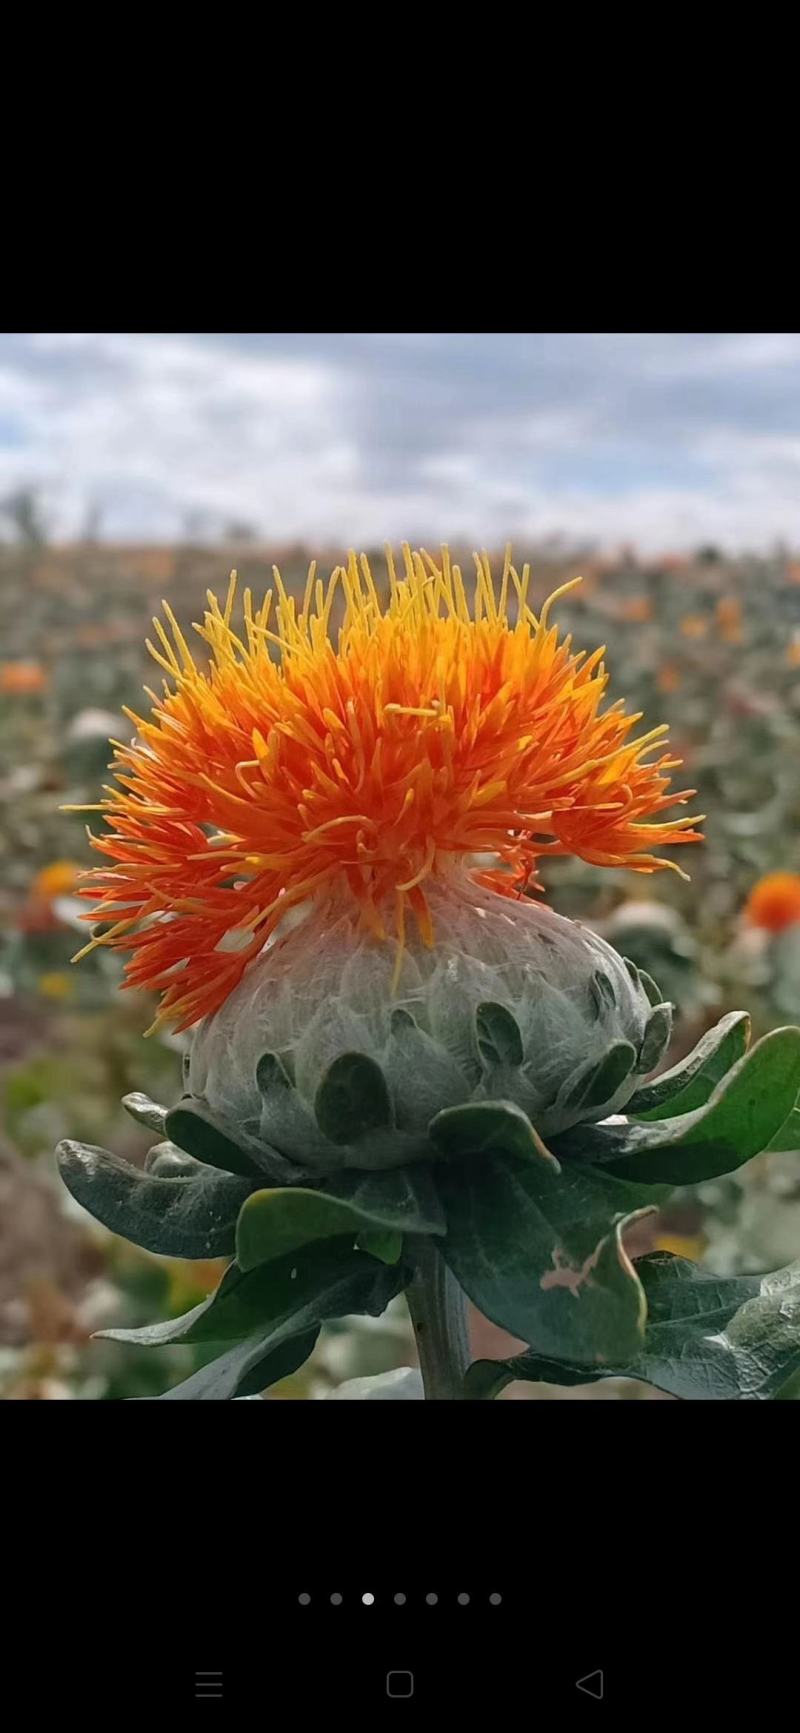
[(710, 355), (659, 439)]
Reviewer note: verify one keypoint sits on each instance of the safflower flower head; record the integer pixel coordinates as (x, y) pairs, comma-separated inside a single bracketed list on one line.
[(320, 837)]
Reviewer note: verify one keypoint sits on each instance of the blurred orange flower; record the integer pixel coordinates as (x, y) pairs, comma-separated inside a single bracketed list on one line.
[(669, 677), (681, 1245), (57, 879), (19, 677), (155, 564), (188, 1279), (637, 609), (729, 619), (694, 626), (54, 984), (774, 902)]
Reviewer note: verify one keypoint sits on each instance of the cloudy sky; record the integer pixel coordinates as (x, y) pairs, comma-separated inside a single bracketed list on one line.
[(663, 440)]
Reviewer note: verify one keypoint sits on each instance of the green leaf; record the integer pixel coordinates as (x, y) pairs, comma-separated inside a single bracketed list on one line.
[(280, 1363), (541, 1254), (380, 1243), (261, 1311), (191, 1217), (498, 1036), (787, 1139), (352, 1099), (193, 1127), (247, 1300), (398, 1201), (280, 1221), (689, 1084), (489, 1128), (147, 1112), (734, 1338), (485, 1379), (738, 1121), (404, 1198), (247, 1369)]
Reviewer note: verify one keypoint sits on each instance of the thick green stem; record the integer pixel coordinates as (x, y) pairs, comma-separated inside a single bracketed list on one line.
[(438, 1314)]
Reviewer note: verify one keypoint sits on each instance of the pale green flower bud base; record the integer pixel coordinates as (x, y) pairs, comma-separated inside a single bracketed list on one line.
[(511, 1002)]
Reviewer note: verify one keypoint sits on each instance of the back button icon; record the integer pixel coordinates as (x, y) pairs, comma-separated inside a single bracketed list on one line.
[(592, 1685)]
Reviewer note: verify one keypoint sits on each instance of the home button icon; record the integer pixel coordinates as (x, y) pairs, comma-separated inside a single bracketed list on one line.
[(399, 1684)]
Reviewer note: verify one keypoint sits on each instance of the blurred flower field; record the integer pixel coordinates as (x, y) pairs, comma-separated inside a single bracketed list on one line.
[(708, 645)]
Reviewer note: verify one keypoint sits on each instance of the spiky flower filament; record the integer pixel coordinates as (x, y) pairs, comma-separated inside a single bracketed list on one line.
[(426, 732)]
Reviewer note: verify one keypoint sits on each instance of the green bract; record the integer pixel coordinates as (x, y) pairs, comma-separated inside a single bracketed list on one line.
[(323, 1056)]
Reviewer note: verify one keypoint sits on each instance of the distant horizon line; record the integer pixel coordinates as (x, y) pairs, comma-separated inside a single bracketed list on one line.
[(548, 547)]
